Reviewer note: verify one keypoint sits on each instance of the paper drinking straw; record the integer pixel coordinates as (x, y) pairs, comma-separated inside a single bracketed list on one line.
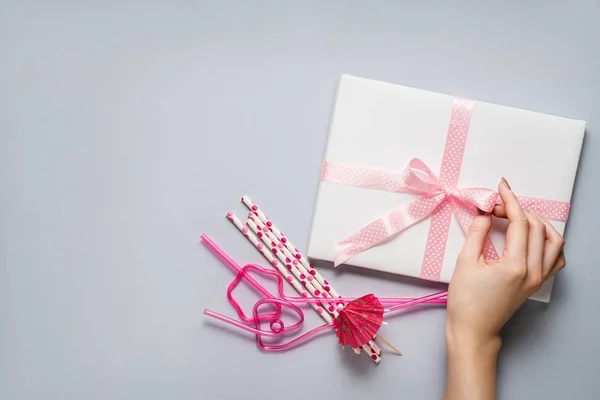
[(291, 248), (271, 258), (287, 257), (312, 290), (275, 262), (372, 348)]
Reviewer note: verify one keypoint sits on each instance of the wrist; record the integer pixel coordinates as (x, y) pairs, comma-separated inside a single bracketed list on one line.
[(470, 342), (472, 359)]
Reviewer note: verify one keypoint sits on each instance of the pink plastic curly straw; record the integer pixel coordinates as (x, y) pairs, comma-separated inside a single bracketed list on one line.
[(276, 325)]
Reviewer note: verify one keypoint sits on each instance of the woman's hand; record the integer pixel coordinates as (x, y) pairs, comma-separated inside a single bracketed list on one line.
[(484, 294)]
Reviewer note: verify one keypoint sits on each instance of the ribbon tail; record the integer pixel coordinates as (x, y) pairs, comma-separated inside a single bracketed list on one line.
[(386, 227), (552, 210), (465, 214)]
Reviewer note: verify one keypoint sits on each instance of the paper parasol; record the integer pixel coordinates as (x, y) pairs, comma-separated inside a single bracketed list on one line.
[(358, 323)]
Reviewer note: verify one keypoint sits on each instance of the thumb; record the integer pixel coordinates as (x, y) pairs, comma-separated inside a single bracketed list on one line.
[(479, 229)]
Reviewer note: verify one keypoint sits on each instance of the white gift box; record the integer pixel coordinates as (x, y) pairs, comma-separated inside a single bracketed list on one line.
[(384, 126)]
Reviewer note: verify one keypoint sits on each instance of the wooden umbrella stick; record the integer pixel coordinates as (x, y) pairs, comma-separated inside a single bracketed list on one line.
[(389, 344)]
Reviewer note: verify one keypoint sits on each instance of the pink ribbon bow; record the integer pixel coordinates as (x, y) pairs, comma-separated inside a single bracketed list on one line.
[(439, 198)]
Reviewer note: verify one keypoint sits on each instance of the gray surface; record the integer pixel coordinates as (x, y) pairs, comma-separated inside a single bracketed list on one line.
[(129, 129)]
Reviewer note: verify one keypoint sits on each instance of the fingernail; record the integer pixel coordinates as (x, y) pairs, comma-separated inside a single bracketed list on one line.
[(506, 183)]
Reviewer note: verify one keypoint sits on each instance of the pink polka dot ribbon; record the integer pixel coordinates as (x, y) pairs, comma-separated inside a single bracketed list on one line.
[(439, 198)]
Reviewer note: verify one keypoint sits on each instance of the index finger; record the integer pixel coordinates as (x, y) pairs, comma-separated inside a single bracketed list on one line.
[(518, 224)]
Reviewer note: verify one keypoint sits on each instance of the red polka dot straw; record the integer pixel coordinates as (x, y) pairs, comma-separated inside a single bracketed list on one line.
[(274, 261), (268, 240), (300, 266), (262, 218)]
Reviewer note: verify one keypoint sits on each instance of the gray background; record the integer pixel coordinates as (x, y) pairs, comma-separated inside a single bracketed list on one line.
[(128, 128)]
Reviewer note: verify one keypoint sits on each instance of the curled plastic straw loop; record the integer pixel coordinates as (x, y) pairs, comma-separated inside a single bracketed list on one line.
[(276, 325)]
